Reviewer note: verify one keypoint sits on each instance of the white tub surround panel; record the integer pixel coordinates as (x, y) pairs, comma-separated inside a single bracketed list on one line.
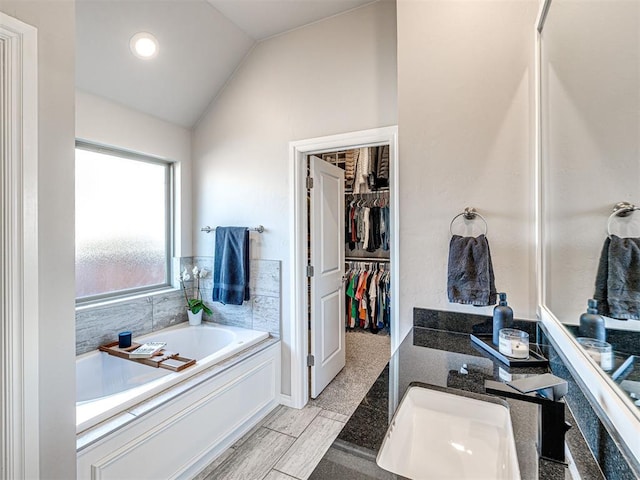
[(182, 436)]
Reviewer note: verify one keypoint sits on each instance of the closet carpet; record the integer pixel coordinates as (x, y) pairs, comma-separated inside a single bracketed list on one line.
[(367, 354)]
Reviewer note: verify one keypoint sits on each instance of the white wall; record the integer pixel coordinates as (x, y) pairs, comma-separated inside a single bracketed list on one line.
[(105, 122), (465, 122), (55, 22), (335, 76)]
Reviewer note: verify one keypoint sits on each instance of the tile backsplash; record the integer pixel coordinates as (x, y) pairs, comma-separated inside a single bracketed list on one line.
[(97, 325)]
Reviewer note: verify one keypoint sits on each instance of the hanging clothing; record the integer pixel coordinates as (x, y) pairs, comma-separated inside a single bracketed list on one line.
[(384, 228), (350, 160), (368, 297), (382, 170), (361, 171), (367, 228)]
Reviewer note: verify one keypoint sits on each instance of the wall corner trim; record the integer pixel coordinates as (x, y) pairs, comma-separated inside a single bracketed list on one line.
[(19, 311)]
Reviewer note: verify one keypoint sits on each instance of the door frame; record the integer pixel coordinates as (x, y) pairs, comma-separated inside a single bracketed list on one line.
[(19, 310), (297, 340)]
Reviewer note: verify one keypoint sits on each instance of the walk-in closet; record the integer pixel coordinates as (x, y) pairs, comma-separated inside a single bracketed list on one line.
[(367, 283), (365, 289)]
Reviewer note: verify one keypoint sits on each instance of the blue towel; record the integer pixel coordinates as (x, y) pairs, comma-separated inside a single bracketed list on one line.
[(231, 266)]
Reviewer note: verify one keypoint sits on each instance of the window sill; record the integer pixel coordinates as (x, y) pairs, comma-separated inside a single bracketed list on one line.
[(124, 299)]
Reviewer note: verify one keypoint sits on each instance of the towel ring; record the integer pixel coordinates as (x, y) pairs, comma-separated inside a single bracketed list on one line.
[(470, 214), (620, 209)]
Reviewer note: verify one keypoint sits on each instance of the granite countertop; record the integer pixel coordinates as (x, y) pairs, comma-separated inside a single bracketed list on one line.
[(433, 357)]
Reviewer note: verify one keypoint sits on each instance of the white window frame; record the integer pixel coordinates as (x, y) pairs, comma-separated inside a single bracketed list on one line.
[(169, 214)]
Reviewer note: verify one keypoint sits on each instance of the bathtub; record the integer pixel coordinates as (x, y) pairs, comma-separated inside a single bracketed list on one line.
[(108, 385), (137, 422)]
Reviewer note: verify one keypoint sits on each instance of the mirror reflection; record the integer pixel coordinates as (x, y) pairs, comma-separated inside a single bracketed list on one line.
[(590, 70)]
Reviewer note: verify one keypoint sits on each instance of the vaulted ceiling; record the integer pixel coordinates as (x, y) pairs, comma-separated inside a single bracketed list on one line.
[(200, 42)]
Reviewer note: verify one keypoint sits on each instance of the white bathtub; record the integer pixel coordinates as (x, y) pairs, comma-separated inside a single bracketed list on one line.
[(107, 385)]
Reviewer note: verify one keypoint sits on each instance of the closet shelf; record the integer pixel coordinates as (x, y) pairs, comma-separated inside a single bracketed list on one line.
[(367, 259), (373, 192)]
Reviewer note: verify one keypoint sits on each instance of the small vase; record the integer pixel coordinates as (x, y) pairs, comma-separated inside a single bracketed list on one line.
[(194, 318)]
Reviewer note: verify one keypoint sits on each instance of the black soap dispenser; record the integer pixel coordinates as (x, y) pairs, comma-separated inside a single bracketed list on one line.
[(502, 317), (592, 324)]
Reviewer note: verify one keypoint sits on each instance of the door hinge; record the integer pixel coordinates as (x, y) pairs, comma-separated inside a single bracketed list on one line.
[(310, 360), (310, 271), (309, 183)]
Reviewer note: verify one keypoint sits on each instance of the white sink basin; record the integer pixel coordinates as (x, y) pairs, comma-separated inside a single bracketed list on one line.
[(438, 435)]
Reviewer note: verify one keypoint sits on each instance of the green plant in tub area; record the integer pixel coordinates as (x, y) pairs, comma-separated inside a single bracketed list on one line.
[(194, 304)]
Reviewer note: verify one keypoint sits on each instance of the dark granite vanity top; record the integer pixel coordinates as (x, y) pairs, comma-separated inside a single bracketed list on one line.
[(436, 357)]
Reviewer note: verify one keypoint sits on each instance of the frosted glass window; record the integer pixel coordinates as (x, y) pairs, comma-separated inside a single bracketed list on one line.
[(122, 223)]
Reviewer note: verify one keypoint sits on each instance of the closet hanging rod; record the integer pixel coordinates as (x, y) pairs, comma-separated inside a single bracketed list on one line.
[(366, 259), (384, 191), (380, 190), (208, 229)]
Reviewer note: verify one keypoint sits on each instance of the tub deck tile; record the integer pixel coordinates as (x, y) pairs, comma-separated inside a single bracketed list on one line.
[(264, 278), (168, 310), (255, 458), (266, 314), (134, 315)]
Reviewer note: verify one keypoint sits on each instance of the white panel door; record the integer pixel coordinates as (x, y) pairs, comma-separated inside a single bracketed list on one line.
[(327, 219)]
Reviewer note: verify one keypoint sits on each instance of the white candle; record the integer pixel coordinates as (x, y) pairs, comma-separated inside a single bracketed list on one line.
[(606, 361), (514, 343), (519, 349)]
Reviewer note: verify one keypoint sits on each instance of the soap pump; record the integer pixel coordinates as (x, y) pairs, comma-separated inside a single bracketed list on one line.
[(591, 323), (502, 317)]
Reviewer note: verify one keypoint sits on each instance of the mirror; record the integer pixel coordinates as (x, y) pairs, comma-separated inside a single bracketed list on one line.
[(590, 161)]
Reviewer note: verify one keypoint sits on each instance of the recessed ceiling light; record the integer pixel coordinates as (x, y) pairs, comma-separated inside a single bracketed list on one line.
[(144, 45)]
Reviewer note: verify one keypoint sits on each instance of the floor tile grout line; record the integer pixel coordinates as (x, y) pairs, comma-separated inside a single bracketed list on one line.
[(295, 440), (287, 474), (337, 413), (291, 446), (305, 428), (330, 419), (248, 439), (278, 431), (282, 455)]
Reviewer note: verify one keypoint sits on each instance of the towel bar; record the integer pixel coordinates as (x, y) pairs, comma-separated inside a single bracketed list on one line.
[(208, 229), (469, 213)]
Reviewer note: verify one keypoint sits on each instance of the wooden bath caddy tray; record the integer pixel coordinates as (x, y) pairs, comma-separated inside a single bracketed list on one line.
[(162, 359)]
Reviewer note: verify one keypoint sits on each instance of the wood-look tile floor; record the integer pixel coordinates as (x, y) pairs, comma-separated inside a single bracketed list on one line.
[(289, 443)]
